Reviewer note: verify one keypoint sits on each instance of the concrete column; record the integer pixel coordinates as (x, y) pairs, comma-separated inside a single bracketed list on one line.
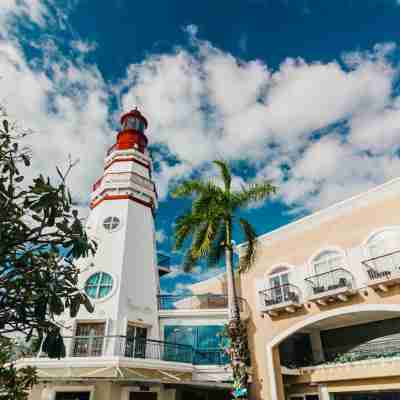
[(280, 391), (316, 346), (48, 394), (323, 393)]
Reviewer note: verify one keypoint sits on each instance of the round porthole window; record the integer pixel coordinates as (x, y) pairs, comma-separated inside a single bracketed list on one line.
[(111, 224), (99, 285)]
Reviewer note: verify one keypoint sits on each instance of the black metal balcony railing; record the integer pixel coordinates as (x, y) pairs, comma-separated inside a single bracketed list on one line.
[(328, 281), (378, 348), (384, 266), (131, 347), (286, 293), (85, 346)]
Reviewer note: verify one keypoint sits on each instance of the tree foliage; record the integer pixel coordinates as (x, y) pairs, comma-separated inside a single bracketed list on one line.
[(41, 237), (212, 216)]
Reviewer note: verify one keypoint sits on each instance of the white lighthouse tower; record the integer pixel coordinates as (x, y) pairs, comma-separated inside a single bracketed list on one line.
[(122, 279)]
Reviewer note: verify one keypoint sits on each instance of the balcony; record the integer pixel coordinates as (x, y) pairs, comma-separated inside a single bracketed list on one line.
[(332, 286), (124, 346), (140, 349), (383, 271), (192, 302), (198, 304), (375, 349), (285, 298)]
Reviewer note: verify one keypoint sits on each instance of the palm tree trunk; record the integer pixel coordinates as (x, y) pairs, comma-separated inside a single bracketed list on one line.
[(233, 302)]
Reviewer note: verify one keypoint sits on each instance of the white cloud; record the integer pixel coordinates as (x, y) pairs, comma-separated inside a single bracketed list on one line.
[(207, 104), (64, 102), (203, 104), (84, 46), (161, 236), (35, 10)]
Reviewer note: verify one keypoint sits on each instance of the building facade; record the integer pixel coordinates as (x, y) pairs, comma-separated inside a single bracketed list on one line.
[(137, 344), (324, 301)]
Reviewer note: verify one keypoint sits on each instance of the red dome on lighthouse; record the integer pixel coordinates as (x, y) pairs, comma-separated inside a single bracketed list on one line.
[(133, 125)]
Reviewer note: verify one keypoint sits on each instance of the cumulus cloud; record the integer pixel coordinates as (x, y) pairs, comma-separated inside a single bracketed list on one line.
[(64, 102), (83, 46), (161, 236), (34, 10), (297, 125)]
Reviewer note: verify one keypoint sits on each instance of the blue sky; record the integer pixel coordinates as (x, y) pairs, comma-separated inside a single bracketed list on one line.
[(302, 92)]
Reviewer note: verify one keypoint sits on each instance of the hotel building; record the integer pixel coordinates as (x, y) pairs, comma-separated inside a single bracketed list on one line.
[(324, 299), (321, 302)]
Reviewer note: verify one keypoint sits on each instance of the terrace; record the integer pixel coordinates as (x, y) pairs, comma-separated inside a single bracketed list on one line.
[(332, 286), (383, 271), (139, 349), (284, 298)]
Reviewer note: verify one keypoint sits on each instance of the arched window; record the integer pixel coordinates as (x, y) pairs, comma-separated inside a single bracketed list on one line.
[(384, 248), (279, 283), (327, 261), (278, 277), (328, 271)]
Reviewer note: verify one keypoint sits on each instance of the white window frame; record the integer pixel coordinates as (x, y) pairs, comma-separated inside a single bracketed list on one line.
[(113, 217), (111, 292)]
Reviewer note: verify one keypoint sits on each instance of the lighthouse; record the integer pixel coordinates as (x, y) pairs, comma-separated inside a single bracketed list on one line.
[(122, 279), (138, 344)]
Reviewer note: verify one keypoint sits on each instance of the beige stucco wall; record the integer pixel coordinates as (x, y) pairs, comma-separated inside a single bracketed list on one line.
[(216, 285), (100, 390), (346, 229)]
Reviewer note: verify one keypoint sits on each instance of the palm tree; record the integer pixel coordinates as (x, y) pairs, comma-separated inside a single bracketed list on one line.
[(210, 221)]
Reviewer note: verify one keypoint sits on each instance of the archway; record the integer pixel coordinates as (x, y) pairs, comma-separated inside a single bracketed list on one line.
[(380, 311)]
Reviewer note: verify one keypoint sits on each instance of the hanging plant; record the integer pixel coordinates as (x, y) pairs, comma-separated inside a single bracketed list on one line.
[(235, 344)]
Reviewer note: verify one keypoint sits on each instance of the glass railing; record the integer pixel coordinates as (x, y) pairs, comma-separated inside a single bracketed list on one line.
[(338, 278), (210, 357), (192, 302), (283, 294)]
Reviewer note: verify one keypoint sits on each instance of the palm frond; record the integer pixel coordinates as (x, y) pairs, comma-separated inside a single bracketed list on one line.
[(247, 259), (189, 188), (189, 261), (204, 237), (209, 201), (225, 173), (252, 193), (217, 249), (185, 226)]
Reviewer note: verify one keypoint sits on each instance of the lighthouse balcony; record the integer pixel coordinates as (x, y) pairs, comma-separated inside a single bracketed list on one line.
[(124, 184), (121, 180), (114, 152)]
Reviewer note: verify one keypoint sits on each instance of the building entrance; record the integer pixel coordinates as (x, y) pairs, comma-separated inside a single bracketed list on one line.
[(72, 395), (368, 396)]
